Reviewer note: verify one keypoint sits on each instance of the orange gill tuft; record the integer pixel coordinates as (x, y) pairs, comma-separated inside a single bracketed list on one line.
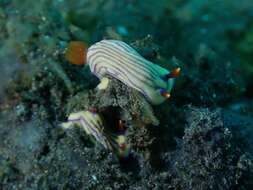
[(76, 53)]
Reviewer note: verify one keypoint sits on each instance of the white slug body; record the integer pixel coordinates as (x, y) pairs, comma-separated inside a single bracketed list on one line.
[(119, 60), (91, 123)]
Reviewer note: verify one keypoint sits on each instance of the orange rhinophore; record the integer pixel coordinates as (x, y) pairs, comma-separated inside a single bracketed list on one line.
[(76, 53), (173, 74)]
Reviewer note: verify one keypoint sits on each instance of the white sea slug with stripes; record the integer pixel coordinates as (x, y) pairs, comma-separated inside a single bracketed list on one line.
[(92, 123), (119, 60)]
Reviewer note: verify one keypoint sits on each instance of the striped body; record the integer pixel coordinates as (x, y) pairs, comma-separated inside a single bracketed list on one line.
[(92, 124), (119, 60)]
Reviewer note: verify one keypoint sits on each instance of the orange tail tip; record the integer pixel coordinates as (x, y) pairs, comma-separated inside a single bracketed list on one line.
[(76, 53), (164, 93)]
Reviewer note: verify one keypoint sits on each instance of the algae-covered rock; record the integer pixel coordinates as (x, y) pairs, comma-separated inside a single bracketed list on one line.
[(209, 156)]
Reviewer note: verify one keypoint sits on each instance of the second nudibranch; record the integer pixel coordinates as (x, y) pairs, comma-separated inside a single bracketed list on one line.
[(119, 60)]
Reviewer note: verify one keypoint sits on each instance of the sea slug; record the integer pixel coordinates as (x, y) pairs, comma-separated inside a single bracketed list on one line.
[(119, 60)]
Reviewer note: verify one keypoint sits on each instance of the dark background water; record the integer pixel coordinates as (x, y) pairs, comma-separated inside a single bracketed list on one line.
[(204, 139)]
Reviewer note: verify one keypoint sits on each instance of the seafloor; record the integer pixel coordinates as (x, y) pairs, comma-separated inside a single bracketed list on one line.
[(199, 139)]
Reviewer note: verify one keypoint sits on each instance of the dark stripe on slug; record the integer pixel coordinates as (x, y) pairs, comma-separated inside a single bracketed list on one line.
[(130, 72), (90, 127), (127, 78), (128, 81), (74, 120), (103, 51), (97, 126), (114, 61), (96, 134), (123, 45), (125, 65), (95, 73), (131, 53), (86, 128), (130, 56), (135, 59), (123, 55), (102, 138), (90, 60), (132, 64)]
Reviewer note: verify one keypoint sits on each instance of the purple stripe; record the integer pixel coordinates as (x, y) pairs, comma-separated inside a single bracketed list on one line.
[(123, 45), (96, 134), (147, 65), (123, 74), (134, 58), (113, 65), (147, 73), (132, 84)]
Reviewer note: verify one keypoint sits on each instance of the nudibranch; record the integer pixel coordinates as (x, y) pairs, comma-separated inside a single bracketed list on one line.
[(119, 60), (90, 122), (93, 125)]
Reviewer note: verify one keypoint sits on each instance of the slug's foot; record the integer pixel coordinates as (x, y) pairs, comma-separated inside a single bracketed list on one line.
[(103, 84)]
